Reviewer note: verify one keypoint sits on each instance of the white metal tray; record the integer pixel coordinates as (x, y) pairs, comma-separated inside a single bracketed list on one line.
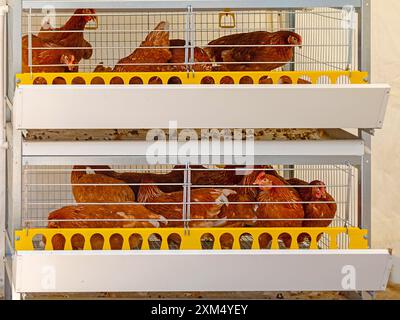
[(191, 106), (261, 270)]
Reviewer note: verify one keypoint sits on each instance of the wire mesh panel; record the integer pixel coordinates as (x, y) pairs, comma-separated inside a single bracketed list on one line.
[(195, 197), (311, 39)]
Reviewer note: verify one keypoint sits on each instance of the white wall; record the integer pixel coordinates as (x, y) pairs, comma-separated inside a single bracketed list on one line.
[(2, 156), (386, 144)]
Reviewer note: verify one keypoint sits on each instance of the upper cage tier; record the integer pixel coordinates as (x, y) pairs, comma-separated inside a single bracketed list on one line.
[(217, 37), (231, 43)]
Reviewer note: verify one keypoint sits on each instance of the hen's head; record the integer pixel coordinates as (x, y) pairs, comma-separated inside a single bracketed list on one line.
[(295, 39), (266, 181), (319, 191), (68, 59), (86, 14)]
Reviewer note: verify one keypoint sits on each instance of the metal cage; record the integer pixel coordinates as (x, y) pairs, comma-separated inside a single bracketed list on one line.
[(46, 189), (330, 35), (335, 51)]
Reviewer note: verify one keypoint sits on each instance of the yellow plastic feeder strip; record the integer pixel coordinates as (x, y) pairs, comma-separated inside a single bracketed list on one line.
[(333, 238), (131, 78)]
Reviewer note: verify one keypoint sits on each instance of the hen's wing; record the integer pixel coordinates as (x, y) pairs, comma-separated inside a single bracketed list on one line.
[(253, 55), (107, 216), (142, 58), (117, 192), (49, 54), (80, 216)]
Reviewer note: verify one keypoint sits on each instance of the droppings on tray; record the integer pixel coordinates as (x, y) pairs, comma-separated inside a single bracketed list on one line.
[(140, 134)]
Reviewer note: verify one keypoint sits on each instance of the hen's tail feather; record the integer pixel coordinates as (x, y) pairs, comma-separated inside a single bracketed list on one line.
[(148, 191), (159, 37)]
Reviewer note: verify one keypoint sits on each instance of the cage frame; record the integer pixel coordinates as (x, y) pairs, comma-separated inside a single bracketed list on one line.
[(15, 7), (16, 156)]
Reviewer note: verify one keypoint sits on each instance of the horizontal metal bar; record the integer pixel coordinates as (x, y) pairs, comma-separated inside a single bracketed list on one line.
[(191, 46), (200, 63), (27, 170), (142, 160), (137, 170), (176, 184), (183, 4), (102, 184), (333, 11), (176, 203), (177, 220), (100, 31), (255, 186)]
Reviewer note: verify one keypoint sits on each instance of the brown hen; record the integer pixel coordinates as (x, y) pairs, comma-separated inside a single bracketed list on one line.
[(202, 61), (96, 190), (200, 176), (210, 202), (175, 176), (48, 58), (64, 38), (315, 211), (282, 205), (146, 58), (244, 211), (279, 50), (83, 216)]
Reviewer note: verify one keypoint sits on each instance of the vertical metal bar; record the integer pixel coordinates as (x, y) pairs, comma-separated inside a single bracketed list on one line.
[(15, 221), (192, 37), (292, 27), (25, 201), (30, 41), (350, 49), (187, 39), (289, 174), (3, 143), (184, 200), (189, 197), (365, 185), (14, 47), (348, 195), (364, 35)]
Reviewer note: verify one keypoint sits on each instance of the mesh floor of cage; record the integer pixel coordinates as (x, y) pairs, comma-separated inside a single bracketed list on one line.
[(329, 39)]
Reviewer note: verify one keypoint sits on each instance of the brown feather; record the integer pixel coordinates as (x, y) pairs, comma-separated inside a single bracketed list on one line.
[(50, 55), (79, 217), (159, 37), (210, 210), (99, 193), (240, 55), (64, 38), (291, 210), (315, 210)]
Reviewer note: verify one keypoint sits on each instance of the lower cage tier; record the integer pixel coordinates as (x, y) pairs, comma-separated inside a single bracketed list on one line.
[(193, 239)]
